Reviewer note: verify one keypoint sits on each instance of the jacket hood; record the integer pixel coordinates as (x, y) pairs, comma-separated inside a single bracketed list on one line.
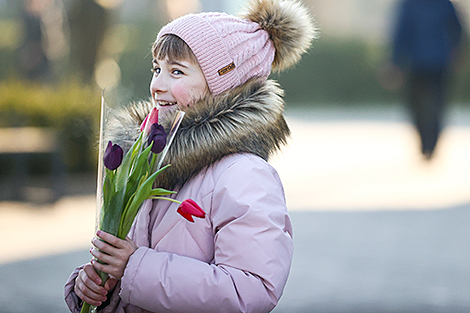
[(245, 119)]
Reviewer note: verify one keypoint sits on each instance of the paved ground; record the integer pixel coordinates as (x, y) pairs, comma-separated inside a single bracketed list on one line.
[(384, 261), (376, 228)]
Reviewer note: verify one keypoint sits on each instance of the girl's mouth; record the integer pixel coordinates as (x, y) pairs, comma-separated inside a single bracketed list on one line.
[(161, 103), (165, 103)]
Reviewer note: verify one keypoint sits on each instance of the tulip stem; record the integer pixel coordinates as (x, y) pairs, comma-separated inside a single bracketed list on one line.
[(165, 198)]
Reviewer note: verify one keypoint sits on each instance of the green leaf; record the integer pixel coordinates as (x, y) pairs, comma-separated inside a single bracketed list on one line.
[(122, 233), (111, 215), (143, 192), (127, 214), (127, 163), (109, 187), (161, 192), (141, 166)]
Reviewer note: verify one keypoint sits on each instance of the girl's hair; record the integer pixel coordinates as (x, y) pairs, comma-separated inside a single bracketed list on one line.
[(174, 48)]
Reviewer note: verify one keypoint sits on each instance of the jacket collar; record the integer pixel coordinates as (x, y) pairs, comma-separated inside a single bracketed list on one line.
[(245, 119)]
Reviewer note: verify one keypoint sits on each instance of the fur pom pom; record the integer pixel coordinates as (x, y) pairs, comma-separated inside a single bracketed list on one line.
[(290, 27)]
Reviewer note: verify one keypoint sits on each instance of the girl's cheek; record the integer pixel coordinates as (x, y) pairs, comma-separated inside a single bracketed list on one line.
[(182, 94)]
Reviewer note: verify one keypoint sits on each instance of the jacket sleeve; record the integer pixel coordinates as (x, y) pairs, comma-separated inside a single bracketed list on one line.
[(253, 252), (71, 299)]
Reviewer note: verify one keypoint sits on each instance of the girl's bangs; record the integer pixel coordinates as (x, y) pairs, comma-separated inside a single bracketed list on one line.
[(173, 48)]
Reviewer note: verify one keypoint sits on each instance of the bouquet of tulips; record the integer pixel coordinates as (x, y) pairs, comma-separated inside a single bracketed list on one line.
[(125, 181)]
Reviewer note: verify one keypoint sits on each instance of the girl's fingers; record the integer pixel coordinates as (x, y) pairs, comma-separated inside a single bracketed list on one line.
[(87, 289), (110, 283), (112, 240), (101, 245), (115, 269), (100, 267), (112, 253), (109, 244), (90, 298), (101, 256), (91, 277), (132, 244)]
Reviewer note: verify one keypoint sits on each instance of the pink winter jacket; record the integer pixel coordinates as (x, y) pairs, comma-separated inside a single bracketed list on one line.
[(237, 259)]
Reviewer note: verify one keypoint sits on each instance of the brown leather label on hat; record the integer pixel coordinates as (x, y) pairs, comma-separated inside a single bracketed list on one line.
[(226, 69)]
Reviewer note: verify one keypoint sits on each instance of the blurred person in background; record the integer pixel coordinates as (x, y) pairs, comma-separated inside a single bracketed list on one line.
[(88, 22), (425, 43), (33, 62)]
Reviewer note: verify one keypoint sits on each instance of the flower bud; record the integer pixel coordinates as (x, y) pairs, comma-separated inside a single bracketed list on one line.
[(112, 156), (150, 119), (189, 208), (157, 135)]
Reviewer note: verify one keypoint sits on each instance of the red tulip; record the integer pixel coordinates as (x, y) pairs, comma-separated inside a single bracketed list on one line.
[(188, 208), (149, 120), (112, 156)]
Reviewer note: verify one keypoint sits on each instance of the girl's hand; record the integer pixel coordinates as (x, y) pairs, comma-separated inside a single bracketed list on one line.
[(113, 252), (88, 286)]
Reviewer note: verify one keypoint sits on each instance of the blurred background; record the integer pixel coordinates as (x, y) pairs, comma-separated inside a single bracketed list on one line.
[(378, 228)]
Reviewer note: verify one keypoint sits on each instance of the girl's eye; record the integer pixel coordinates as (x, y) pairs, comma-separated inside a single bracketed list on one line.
[(155, 70), (177, 72)]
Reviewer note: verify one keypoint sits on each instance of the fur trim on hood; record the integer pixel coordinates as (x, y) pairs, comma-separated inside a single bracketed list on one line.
[(245, 119)]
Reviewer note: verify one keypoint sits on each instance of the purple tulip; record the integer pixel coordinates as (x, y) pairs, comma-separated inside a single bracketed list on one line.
[(112, 156), (157, 135)]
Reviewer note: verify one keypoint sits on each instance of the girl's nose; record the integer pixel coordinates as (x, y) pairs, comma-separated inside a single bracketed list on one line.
[(158, 84)]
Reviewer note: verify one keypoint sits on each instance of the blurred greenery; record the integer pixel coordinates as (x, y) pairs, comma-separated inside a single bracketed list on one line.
[(136, 61), (347, 71), (71, 108), (335, 70)]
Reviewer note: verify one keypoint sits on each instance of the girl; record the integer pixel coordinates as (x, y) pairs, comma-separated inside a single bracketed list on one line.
[(237, 258)]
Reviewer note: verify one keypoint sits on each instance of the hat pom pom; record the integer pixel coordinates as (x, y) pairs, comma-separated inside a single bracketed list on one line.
[(290, 27)]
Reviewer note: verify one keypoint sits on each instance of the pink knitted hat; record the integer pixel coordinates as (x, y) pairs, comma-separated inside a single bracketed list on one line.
[(231, 50)]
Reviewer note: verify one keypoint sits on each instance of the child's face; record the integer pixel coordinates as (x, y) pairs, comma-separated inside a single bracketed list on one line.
[(176, 84)]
